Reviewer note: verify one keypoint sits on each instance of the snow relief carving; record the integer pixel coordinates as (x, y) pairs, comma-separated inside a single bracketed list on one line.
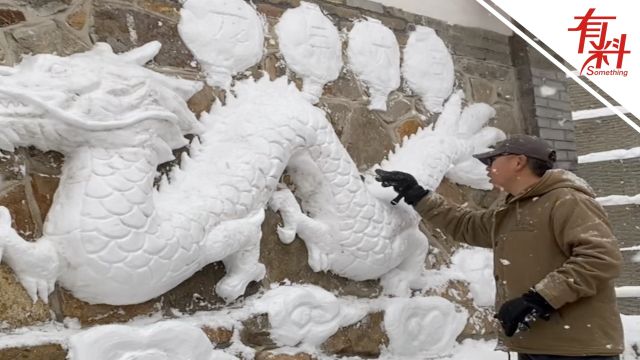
[(169, 340), (374, 57), (428, 67), (226, 36), (348, 229), (423, 326), (111, 237), (306, 314), (311, 46)]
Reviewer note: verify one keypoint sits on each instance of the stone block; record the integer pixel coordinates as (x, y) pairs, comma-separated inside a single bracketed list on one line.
[(364, 129), (289, 262), (347, 87), (220, 337), (202, 100), (255, 333), (78, 18), (364, 338), (564, 145), (124, 29), (40, 352), (366, 5), (46, 37), (482, 90), (552, 113), (16, 307), (10, 17), (408, 127), (551, 134), (559, 105), (15, 199), (398, 107), (338, 114), (45, 8), (167, 8), (268, 355)]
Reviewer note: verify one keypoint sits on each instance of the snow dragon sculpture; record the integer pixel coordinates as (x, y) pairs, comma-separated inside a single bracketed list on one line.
[(111, 237)]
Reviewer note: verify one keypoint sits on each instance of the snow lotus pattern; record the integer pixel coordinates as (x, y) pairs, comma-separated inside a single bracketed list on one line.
[(111, 237)]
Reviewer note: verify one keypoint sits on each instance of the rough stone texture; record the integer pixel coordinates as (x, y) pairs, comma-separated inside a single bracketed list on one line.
[(603, 134), (16, 307), (78, 19), (296, 268), (363, 338), (220, 337), (14, 199), (255, 333), (202, 101), (399, 107), (46, 37), (364, 129), (408, 127), (125, 28), (267, 355), (10, 17), (345, 87), (167, 8), (42, 352)]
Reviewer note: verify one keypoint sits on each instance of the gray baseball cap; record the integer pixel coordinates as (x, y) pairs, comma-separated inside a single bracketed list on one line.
[(530, 146)]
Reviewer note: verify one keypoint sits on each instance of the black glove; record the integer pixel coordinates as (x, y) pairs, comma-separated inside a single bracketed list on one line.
[(404, 184), (519, 313)]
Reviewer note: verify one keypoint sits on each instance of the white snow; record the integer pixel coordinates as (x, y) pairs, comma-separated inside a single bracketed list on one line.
[(374, 56), (226, 36), (423, 326), (311, 46), (546, 90), (306, 314), (617, 154), (628, 291), (428, 67), (613, 200), (596, 113), (167, 340)]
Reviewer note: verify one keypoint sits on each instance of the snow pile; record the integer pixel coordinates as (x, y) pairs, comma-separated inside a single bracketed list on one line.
[(546, 90), (374, 56), (311, 46), (613, 200), (226, 36), (596, 113)]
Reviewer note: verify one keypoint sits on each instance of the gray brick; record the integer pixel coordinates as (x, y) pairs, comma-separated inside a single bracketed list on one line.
[(559, 85), (552, 134), (616, 177), (564, 145), (552, 113), (547, 74), (367, 5), (560, 105), (562, 155), (604, 134), (562, 124), (541, 101), (543, 123)]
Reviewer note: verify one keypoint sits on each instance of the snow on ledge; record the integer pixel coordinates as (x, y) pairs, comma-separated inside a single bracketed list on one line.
[(596, 113), (613, 200), (628, 291), (617, 154)]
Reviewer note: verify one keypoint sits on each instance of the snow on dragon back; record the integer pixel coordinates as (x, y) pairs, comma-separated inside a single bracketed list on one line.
[(111, 237)]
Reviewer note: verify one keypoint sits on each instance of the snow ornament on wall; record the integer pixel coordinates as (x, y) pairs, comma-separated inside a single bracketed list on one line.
[(374, 56), (423, 326), (306, 314), (170, 340), (311, 47), (226, 36), (111, 237), (428, 67)]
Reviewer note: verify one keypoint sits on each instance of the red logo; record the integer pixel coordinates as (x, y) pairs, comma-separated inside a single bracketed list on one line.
[(600, 48)]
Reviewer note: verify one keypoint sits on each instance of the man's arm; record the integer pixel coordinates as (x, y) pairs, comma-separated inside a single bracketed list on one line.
[(583, 232), (464, 225)]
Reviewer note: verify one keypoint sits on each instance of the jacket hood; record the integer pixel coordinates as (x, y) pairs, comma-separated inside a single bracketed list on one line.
[(555, 179)]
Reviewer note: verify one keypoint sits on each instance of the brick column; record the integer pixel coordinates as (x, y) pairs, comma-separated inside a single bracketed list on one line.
[(544, 101)]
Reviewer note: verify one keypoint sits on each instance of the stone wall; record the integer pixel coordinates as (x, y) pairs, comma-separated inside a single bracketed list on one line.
[(484, 67)]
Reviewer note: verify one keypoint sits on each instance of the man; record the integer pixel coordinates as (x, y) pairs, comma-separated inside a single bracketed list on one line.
[(555, 256)]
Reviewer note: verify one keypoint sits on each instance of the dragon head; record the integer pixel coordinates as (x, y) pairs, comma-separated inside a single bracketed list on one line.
[(95, 98)]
